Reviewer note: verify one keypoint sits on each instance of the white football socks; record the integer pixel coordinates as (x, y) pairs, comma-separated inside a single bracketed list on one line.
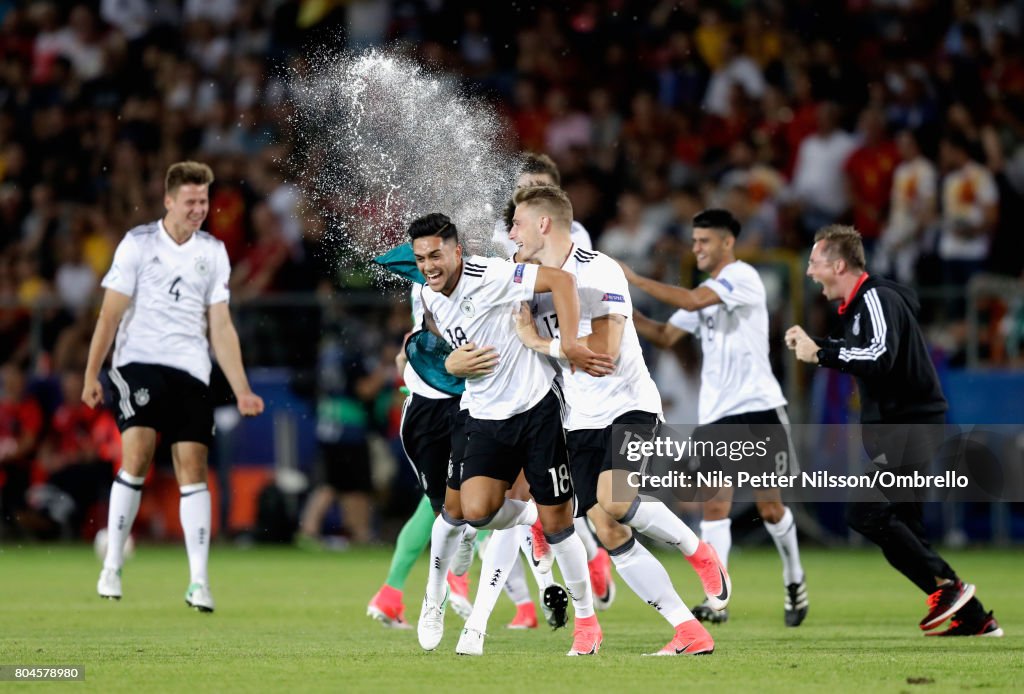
[(444, 540), (718, 534), (516, 587), (125, 495), (572, 561), (654, 519), (501, 554), (195, 524), (647, 577), (784, 535), (512, 512), (589, 542)]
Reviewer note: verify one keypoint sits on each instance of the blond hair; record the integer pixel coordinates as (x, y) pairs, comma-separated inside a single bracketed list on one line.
[(842, 242), (551, 199), (187, 173)]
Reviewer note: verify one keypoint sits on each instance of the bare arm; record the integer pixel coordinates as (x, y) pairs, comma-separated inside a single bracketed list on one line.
[(663, 335), (597, 365), (688, 299), (113, 308), (224, 341), (470, 361)]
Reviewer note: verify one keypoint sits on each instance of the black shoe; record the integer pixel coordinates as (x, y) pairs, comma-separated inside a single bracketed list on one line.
[(796, 603), (556, 602), (987, 626), (945, 602), (704, 613)]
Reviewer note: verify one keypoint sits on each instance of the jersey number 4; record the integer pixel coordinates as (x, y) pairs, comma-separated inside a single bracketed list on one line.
[(174, 290)]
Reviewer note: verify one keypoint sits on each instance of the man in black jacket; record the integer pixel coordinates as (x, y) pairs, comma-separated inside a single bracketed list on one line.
[(902, 417)]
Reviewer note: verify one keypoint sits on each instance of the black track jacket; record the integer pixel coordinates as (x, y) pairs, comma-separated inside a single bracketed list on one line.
[(883, 348)]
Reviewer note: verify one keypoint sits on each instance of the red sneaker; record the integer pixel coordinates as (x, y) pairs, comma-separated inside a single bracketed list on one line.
[(542, 557), (526, 617), (387, 608), (586, 637), (713, 576), (988, 626), (458, 594), (944, 602), (691, 639), (601, 580)]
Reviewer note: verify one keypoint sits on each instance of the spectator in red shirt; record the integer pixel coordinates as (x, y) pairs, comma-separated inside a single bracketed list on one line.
[(869, 172), (75, 463), (21, 422)]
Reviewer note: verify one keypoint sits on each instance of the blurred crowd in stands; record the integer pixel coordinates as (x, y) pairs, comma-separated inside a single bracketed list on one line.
[(902, 117)]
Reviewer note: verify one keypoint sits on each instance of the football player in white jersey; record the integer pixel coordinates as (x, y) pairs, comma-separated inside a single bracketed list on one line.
[(167, 286), (513, 420), (602, 409), (738, 391)]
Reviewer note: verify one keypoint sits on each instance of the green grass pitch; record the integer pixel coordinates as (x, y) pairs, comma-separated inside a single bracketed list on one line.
[(289, 620)]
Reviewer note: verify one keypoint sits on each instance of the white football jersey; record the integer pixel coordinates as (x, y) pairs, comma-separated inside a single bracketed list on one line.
[(579, 234), (480, 310), (412, 379), (171, 287), (593, 403), (736, 376)]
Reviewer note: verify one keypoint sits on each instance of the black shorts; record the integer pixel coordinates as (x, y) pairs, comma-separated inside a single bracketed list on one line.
[(532, 441), (744, 436), (345, 467), (591, 452), (426, 433), (172, 401)]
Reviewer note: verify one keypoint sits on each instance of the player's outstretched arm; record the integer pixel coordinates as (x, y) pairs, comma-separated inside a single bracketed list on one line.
[(662, 335), (470, 361), (687, 299), (228, 351), (113, 308)]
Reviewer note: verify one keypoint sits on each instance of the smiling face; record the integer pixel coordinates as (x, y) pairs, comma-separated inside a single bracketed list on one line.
[(187, 207), (712, 248), (439, 261), (527, 232), (825, 271)]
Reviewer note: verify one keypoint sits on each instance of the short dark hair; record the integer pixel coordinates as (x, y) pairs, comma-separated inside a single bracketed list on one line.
[(842, 242), (534, 163), (433, 224), (716, 218)]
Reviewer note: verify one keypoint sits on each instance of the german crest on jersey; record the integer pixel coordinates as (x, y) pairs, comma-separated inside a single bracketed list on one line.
[(141, 397), (202, 266), (467, 308), (856, 325)]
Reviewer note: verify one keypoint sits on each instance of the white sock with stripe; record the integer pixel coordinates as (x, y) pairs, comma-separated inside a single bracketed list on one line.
[(196, 526), (784, 535), (572, 562), (501, 554), (444, 540), (647, 577), (125, 495), (516, 587)]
